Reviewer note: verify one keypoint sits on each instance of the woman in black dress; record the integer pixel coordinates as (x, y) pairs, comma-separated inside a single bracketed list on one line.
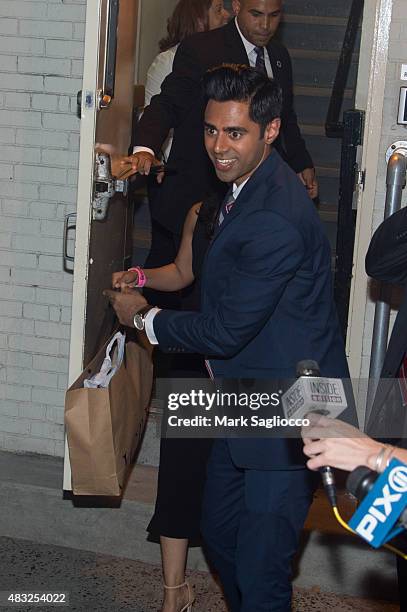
[(182, 468)]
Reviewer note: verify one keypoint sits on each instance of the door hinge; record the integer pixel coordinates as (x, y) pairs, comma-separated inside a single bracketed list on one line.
[(360, 178)]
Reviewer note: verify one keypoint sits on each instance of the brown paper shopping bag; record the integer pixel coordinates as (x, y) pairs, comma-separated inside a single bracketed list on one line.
[(105, 425)]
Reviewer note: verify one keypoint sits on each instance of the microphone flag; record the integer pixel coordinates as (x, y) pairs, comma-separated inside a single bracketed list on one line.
[(376, 517)]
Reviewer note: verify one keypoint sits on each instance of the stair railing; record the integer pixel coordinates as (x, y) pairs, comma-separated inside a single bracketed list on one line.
[(350, 129), (334, 127)]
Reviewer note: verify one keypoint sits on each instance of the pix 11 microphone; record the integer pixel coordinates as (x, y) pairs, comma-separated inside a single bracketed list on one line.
[(382, 513)]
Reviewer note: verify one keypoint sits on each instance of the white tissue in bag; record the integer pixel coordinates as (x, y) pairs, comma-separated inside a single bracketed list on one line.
[(108, 368)]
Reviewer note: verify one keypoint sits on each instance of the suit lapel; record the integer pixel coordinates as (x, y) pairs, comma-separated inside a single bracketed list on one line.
[(279, 70), (245, 199), (236, 210), (235, 49)]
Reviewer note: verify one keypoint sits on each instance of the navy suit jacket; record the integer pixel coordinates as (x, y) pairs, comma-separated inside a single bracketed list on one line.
[(180, 105), (266, 299)]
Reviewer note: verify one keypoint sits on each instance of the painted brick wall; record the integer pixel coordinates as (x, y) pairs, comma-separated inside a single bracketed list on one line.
[(390, 133), (41, 62)]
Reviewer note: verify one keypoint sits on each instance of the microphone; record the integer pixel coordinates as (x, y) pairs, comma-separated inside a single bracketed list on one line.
[(382, 513), (312, 393)]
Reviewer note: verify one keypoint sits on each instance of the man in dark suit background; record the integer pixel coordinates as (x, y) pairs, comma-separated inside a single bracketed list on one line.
[(247, 39), (386, 260), (266, 304)]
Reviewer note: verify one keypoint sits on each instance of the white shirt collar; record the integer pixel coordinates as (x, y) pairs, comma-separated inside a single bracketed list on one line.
[(247, 44), (251, 53), (236, 189)]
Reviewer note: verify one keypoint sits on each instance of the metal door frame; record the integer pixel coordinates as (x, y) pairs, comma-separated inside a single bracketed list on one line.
[(84, 197), (369, 97)]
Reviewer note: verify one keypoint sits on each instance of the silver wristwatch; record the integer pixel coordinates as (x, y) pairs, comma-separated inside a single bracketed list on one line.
[(139, 318)]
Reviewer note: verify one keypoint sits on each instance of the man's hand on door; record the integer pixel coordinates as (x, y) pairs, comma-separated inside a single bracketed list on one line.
[(139, 163), (126, 303)]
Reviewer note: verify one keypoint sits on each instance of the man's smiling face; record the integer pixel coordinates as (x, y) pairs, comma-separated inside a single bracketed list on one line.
[(234, 142)]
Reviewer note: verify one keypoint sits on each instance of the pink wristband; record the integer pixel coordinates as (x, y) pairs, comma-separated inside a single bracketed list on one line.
[(142, 279)]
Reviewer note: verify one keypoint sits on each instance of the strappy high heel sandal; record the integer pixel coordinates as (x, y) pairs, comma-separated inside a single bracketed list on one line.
[(191, 596)]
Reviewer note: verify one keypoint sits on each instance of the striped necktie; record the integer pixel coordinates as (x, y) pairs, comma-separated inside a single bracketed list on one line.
[(227, 206), (260, 60)]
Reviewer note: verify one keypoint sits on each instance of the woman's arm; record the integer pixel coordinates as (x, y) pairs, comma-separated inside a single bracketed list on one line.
[(158, 71), (174, 276)]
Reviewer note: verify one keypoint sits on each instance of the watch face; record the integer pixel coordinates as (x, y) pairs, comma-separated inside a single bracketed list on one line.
[(138, 322)]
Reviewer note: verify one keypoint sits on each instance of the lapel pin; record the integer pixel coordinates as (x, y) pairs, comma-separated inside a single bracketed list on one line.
[(279, 64)]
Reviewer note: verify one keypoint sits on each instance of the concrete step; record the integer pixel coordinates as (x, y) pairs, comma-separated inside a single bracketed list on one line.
[(312, 69), (304, 35), (319, 20), (328, 212), (330, 228), (312, 106), (324, 93), (334, 8), (33, 509), (324, 151), (329, 192)]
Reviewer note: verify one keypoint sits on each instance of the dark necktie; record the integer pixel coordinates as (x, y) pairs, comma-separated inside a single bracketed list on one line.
[(260, 61), (226, 207)]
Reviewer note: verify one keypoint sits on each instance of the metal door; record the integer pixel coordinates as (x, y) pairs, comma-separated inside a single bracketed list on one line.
[(103, 225)]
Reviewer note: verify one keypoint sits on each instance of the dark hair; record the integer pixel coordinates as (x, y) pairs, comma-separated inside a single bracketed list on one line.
[(188, 17), (239, 83)]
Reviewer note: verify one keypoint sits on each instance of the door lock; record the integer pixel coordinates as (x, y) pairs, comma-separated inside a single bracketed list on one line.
[(105, 187), (104, 100)]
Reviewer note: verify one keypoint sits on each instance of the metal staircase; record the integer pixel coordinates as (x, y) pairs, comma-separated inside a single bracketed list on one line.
[(314, 32)]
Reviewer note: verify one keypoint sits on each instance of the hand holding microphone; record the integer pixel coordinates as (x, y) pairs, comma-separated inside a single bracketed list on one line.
[(333, 442)]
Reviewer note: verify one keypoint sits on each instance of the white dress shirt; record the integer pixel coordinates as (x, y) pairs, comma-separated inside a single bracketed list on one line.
[(251, 53), (158, 71), (150, 316)]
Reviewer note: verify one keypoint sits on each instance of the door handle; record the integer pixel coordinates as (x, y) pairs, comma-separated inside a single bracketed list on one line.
[(106, 94), (69, 225), (79, 104)]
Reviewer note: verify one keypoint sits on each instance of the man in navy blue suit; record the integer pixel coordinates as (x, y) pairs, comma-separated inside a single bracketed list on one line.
[(266, 304)]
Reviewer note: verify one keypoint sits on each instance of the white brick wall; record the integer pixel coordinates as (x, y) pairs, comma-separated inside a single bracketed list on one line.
[(41, 62)]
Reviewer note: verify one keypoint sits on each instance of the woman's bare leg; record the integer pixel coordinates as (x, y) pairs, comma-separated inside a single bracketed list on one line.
[(174, 557)]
